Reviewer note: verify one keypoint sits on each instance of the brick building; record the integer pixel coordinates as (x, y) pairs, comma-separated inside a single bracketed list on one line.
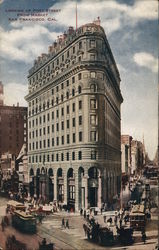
[(13, 128)]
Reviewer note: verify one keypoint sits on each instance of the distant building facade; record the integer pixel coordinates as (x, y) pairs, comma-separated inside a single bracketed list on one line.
[(138, 156), (126, 154), (13, 128), (74, 101)]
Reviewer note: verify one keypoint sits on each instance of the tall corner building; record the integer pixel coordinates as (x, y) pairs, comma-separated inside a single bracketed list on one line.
[(74, 134)]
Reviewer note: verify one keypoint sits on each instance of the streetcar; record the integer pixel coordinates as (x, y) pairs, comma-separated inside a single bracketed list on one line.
[(24, 222), (14, 206), (138, 217)]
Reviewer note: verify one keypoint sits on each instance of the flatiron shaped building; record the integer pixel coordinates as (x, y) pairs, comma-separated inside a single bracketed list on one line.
[(74, 121)]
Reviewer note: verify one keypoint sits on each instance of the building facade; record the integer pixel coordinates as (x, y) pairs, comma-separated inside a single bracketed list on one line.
[(74, 120), (13, 129)]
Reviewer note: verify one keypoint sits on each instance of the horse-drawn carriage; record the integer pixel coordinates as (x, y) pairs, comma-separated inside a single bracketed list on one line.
[(101, 235)]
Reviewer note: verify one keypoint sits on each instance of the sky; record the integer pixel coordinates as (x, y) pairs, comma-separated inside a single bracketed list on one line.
[(132, 31)]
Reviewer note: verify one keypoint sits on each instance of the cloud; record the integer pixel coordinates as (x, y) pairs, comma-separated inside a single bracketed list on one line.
[(26, 43), (146, 60), (1, 1), (15, 92)]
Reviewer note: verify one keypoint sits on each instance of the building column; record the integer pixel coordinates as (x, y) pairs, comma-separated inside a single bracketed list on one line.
[(99, 203), (55, 186), (86, 190), (76, 192), (65, 188)]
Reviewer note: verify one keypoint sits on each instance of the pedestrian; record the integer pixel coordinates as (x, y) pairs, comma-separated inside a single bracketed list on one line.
[(115, 220), (104, 217), (44, 241), (101, 210), (144, 237), (63, 222), (81, 211), (67, 224), (3, 225), (120, 222), (84, 214)]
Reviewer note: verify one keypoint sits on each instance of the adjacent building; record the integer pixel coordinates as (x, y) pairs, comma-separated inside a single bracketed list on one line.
[(13, 127), (126, 161), (74, 99)]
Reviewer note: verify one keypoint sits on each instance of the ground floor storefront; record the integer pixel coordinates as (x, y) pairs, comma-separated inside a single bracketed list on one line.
[(75, 187)]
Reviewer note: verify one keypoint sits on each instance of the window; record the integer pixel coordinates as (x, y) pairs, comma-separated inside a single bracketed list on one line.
[(57, 127), (93, 104), (57, 61), (73, 138), (62, 125), (73, 122), (48, 104), (67, 156), (92, 43), (79, 89), (93, 74), (73, 107), (61, 85), (80, 120), (44, 131), (48, 130), (62, 140), (40, 146), (36, 121), (93, 155), (61, 98), (68, 123), (53, 143), (52, 115), (80, 104), (73, 156), (62, 157), (62, 111), (93, 119), (80, 136), (73, 79), (67, 95), (73, 92), (43, 118), (68, 53), (67, 83), (52, 157), (80, 155), (48, 117), (52, 128), (71, 192), (57, 157), (68, 139), (93, 88), (57, 100), (80, 45), (57, 141), (93, 136), (57, 113), (68, 110), (52, 91), (92, 58), (52, 102), (48, 143), (44, 143), (79, 58), (62, 58), (73, 50), (57, 88)]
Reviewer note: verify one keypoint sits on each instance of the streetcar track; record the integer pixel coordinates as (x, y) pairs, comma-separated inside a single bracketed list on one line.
[(57, 238)]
